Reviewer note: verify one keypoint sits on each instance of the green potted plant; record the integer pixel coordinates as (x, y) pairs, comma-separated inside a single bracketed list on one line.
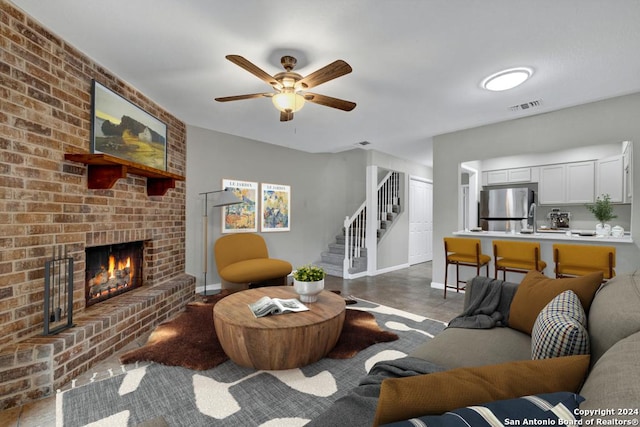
[(602, 209), (308, 281)]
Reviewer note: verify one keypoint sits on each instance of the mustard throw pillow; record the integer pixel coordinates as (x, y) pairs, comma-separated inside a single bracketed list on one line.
[(407, 397), (536, 291)]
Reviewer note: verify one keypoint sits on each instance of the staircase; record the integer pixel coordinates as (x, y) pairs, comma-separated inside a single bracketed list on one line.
[(386, 219), (333, 260), (347, 256)]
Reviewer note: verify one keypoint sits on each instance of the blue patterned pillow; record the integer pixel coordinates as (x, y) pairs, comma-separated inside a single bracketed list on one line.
[(560, 329), (549, 408)]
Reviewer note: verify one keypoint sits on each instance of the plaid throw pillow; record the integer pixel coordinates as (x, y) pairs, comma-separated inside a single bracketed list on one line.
[(560, 328)]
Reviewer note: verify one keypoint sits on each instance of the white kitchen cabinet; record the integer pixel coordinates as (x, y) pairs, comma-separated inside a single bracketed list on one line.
[(535, 174), (497, 177), (566, 183), (580, 182), (506, 176), (519, 175), (610, 178), (552, 185)]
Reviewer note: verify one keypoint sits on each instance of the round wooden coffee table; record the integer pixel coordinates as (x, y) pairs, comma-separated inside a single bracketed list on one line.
[(282, 341)]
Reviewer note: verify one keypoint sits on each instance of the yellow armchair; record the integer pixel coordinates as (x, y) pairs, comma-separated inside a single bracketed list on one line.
[(242, 261)]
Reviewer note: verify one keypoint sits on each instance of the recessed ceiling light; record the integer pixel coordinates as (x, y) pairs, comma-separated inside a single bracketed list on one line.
[(507, 79)]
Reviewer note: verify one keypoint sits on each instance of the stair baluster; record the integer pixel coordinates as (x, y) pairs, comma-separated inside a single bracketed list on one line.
[(354, 227)]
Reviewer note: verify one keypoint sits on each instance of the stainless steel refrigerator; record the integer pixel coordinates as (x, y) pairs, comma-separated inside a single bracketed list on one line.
[(506, 209)]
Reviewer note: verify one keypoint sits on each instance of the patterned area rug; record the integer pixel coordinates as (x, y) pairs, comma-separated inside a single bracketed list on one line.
[(229, 395), (190, 339)]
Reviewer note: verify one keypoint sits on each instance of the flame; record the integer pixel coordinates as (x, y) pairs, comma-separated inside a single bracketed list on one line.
[(112, 266), (112, 279), (121, 265)]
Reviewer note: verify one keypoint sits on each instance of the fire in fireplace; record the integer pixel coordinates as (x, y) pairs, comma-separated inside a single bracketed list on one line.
[(112, 270)]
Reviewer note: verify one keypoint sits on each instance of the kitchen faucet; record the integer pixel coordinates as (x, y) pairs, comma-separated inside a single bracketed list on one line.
[(532, 214)]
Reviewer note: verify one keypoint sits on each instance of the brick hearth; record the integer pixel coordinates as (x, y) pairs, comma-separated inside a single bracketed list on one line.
[(45, 87), (37, 366)]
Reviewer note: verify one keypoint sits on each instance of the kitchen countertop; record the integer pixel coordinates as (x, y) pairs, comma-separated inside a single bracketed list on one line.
[(557, 235)]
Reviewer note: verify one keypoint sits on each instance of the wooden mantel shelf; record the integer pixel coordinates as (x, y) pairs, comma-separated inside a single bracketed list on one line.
[(106, 170)]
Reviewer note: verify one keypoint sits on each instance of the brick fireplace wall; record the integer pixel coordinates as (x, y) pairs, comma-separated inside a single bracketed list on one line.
[(45, 93)]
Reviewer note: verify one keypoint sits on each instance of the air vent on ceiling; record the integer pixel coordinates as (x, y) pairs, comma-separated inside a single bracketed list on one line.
[(526, 105)]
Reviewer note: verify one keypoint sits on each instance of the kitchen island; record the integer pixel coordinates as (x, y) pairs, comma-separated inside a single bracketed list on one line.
[(626, 251)]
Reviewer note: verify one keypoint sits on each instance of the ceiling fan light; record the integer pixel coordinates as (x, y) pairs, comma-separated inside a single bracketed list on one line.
[(507, 79), (288, 101)]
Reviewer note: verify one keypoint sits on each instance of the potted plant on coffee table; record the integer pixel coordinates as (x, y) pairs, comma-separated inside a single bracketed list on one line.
[(308, 282), (602, 209)]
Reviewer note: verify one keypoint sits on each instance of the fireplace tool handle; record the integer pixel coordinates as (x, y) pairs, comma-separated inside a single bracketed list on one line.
[(58, 280)]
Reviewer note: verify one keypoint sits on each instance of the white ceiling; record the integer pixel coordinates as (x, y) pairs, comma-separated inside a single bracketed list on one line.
[(417, 64)]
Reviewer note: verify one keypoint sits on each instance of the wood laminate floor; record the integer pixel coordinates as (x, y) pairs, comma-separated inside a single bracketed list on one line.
[(407, 289)]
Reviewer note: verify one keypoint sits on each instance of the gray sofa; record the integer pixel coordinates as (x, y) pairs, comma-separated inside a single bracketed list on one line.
[(613, 382), (611, 389)]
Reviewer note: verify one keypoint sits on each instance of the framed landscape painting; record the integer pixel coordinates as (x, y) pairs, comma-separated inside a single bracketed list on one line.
[(276, 207), (241, 218), (124, 130)]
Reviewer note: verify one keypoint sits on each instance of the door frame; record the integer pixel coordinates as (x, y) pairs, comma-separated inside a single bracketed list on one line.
[(411, 215)]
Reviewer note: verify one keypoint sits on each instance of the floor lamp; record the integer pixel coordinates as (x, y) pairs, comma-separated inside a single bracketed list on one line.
[(224, 197)]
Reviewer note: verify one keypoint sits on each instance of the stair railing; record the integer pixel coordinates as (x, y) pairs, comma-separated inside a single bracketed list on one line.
[(354, 237), (388, 196)]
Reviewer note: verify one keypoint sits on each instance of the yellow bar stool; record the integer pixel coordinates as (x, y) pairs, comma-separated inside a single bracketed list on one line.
[(580, 260), (463, 251), (516, 256)]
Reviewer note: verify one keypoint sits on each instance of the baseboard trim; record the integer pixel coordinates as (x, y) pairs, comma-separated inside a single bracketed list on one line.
[(390, 269), (377, 272), (437, 285), (358, 275), (210, 287)]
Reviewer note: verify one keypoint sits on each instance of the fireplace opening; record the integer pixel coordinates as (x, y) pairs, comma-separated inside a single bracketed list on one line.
[(112, 270)]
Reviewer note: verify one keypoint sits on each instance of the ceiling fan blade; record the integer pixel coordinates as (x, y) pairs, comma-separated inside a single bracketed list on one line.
[(239, 97), (253, 69), (329, 101), (332, 71), (286, 116)]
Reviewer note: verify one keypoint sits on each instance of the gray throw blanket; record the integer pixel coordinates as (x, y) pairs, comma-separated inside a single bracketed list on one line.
[(488, 304), (358, 408)]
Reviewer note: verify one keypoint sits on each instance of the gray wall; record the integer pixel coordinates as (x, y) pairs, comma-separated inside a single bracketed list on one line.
[(602, 122), (393, 250), (389, 162), (324, 189)]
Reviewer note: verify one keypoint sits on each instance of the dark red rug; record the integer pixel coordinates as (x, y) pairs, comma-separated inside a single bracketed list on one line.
[(190, 339)]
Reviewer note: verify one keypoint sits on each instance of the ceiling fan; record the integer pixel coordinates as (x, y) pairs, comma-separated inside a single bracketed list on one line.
[(290, 87)]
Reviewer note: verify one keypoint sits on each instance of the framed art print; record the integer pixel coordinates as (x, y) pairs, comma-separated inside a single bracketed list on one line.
[(276, 207), (124, 130), (242, 217)]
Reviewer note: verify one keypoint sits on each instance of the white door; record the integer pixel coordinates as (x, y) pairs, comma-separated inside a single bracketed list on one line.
[(420, 221)]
